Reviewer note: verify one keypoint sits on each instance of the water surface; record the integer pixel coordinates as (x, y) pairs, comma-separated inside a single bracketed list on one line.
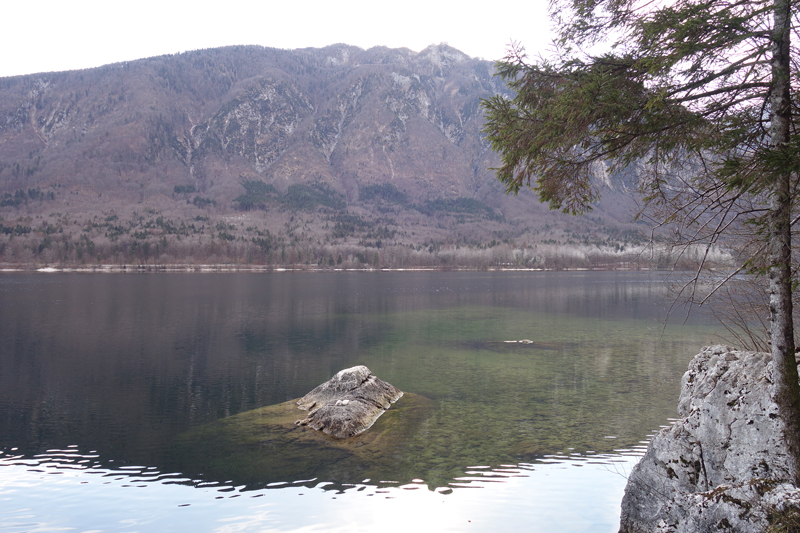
[(112, 387)]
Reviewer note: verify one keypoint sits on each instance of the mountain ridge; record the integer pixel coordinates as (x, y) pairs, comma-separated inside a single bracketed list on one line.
[(381, 138)]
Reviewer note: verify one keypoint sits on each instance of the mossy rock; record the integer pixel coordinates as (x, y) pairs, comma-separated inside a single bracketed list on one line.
[(265, 445)]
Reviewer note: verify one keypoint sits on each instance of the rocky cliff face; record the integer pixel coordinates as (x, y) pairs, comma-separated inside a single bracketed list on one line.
[(723, 466), (341, 115)]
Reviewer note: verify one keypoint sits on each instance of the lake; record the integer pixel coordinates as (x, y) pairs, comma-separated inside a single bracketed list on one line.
[(127, 400)]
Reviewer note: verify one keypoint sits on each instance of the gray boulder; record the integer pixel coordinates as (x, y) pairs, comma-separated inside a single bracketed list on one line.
[(348, 403), (723, 466)]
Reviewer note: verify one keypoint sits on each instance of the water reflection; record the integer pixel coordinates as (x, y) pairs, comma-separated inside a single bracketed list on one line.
[(41, 493), (128, 367)]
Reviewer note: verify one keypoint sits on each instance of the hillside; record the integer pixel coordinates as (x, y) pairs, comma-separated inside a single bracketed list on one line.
[(330, 157)]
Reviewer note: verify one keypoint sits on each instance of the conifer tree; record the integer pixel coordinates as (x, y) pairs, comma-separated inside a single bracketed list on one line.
[(701, 96)]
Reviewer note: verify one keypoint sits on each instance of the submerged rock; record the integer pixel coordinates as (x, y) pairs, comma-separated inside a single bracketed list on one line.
[(266, 446), (348, 403), (724, 465)]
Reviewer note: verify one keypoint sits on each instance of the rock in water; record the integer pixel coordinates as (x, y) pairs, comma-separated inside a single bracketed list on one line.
[(724, 466), (348, 403)]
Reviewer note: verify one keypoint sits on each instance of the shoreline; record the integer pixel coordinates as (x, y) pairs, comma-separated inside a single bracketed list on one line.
[(224, 267)]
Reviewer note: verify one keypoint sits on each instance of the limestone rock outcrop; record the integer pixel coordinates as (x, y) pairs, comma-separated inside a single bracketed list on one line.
[(723, 466), (348, 403)]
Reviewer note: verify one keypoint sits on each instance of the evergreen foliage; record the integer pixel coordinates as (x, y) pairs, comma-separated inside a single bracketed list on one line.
[(308, 198), (346, 224), (200, 201), (257, 196), (462, 205), (184, 189), (21, 197), (701, 96), (385, 192)]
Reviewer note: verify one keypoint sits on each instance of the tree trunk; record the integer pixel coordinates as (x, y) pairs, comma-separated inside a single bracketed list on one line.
[(780, 239)]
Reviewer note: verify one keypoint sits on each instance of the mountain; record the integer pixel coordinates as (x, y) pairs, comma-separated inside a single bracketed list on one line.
[(332, 156)]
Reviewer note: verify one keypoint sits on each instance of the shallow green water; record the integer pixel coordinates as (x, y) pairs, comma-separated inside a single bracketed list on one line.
[(142, 371), (575, 384)]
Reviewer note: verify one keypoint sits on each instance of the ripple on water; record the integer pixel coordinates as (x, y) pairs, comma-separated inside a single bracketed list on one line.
[(133, 497)]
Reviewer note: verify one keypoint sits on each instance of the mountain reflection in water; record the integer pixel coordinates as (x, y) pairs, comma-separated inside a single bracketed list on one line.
[(133, 381)]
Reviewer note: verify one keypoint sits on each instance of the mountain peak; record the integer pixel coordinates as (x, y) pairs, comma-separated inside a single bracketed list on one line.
[(443, 54), (369, 148)]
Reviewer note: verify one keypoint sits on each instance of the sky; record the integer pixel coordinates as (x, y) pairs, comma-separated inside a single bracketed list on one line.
[(55, 35)]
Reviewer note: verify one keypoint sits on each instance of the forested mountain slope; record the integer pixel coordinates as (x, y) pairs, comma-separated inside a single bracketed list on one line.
[(333, 156)]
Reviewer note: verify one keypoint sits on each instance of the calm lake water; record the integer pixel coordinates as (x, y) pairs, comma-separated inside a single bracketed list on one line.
[(115, 393)]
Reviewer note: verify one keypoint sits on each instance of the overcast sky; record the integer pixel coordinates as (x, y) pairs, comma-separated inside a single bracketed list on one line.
[(53, 35)]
